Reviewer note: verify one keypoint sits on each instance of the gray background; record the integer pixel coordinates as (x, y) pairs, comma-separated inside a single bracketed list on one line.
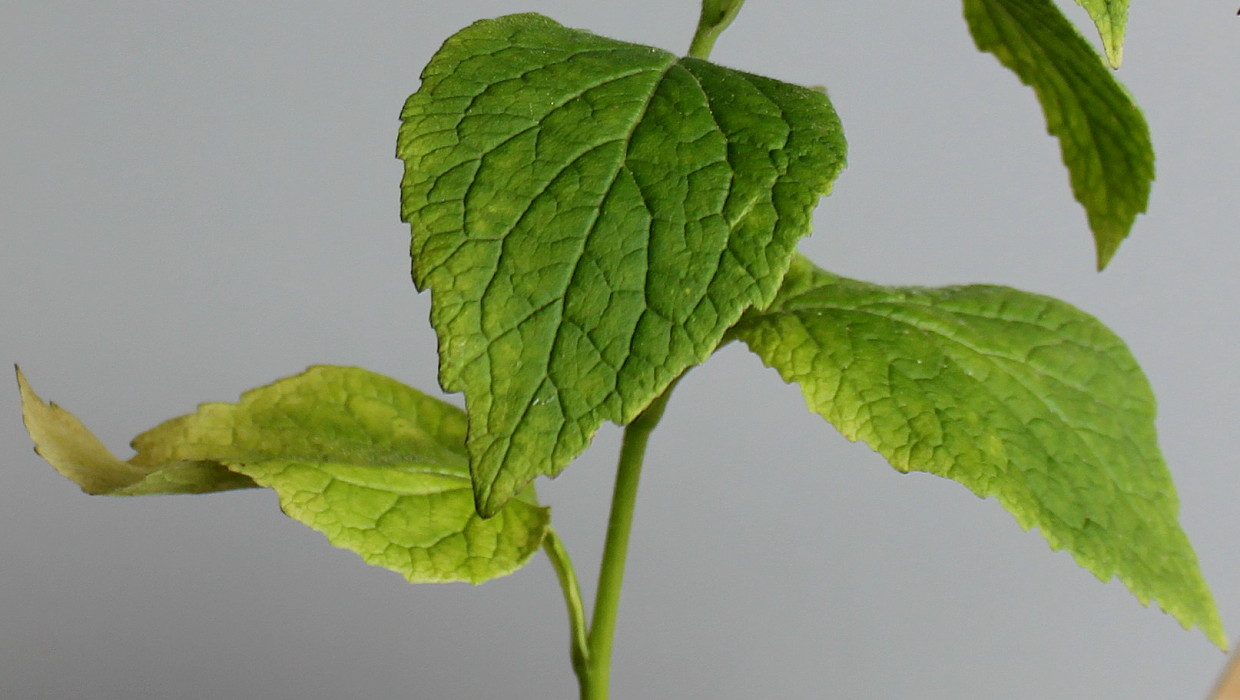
[(196, 198)]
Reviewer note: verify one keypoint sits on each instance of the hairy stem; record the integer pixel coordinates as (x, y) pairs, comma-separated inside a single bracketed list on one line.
[(716, 16), (619, 523)]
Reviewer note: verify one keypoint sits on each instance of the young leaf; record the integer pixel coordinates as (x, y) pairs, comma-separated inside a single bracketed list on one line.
[(591, 216), (378, 467), (1110, 17), (1014, 395), (1102, 135)]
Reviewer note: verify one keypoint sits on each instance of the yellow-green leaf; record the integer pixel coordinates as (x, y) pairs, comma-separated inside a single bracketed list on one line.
[(1014, 395), (75, 452), (376, 466), (1111, 18)]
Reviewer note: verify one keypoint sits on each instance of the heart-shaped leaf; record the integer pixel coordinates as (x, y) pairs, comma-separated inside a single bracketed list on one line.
[(591, 216)]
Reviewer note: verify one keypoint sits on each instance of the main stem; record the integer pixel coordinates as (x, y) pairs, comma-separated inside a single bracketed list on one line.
[(611, 574), (592, 656)]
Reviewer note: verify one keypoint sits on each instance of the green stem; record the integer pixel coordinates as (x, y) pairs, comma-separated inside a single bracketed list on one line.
[(563, 566), (716, 16), (591, 649), (619, 523)]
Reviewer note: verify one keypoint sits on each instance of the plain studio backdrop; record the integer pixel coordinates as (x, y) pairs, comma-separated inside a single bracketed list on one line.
[(198, 198)]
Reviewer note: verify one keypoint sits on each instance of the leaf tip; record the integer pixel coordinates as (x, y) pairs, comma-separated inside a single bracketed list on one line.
[(1218, 637), (1112, 34), (1104, 257), (1107, 239), (66, 444), (31, 404)]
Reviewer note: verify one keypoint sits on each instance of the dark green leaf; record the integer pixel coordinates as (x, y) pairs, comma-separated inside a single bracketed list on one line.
[(1102, 135), (591, 216)]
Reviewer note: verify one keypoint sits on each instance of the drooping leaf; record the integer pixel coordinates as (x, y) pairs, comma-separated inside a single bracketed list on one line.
[(1111, 18), (1014, 395), (75, 452), (376, 466), (1102, 135), (591, 216)]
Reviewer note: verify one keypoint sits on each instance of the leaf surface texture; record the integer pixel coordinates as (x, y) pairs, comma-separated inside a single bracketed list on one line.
[(1014, 395), (376, 466), (1103, 136), (591, 216)]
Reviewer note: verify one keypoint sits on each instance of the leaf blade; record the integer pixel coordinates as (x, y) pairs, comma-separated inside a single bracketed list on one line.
[(388, 462), (577, 207), (1103, 137), (376, 466), (1015, 396), (65, 443), (424, 526)]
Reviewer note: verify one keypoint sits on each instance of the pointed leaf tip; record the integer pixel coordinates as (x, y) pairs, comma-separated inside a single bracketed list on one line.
[(65, 443), (1111, 19), (62, 440)]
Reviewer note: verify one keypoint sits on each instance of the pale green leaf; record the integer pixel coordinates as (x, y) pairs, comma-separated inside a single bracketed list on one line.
[(378, 467), (591, 216), (418, 519), (1110, 17), (1102, 135), (375, 465), (75, 452), (1014, 395)]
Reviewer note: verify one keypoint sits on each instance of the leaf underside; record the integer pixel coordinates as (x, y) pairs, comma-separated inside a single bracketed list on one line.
[(1014, 395), (376, 466), (1102, 134), (591, 216)]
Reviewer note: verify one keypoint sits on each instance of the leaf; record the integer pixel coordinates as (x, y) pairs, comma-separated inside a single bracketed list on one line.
[(410, 519), (1014, 395), (376, 466), (591, 216), (1102, 135), (66, 444), (1110, 17)]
